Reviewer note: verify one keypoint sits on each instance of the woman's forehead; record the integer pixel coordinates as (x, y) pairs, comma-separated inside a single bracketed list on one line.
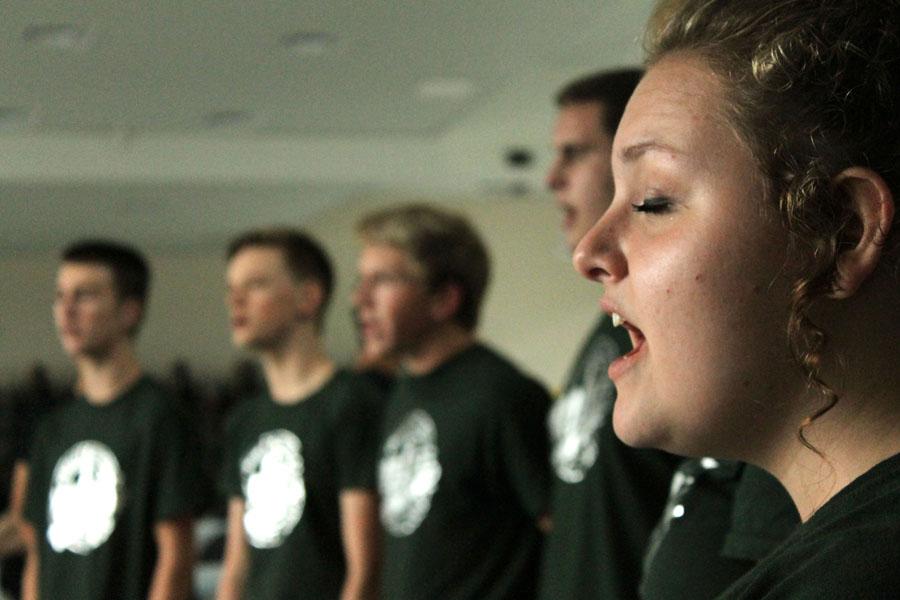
[(676, 109)]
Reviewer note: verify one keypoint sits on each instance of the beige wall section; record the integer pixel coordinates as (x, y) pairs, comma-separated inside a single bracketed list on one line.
[(538, 310)]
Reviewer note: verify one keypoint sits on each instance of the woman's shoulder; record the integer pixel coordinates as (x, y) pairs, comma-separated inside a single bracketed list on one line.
[(848, 549)]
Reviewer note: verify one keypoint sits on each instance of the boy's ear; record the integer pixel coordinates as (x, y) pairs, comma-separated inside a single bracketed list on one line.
[(131, 310), (446, 301), (309, 299), (871, 201)]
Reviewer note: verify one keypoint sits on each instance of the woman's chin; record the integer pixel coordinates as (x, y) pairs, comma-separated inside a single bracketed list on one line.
[(635, 428)]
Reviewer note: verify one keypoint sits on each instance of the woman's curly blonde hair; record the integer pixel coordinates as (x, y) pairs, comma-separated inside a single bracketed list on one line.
[(812, 89)]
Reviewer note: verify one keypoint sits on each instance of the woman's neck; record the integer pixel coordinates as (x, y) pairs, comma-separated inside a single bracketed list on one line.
[(863, 427), (843, 446)]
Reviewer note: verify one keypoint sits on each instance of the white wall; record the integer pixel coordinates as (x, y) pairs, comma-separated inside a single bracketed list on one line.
[(537, 309)]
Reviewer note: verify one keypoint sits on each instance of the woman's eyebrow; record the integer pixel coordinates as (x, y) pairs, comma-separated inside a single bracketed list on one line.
[(635, 151)]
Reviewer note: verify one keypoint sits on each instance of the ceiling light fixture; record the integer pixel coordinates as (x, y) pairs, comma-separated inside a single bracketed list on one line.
[(308, 43), (61, 36)]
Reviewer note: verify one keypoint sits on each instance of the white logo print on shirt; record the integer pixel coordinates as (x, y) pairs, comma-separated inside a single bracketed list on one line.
[(85, 495), (575, 418), (274, 490), (408, 473)]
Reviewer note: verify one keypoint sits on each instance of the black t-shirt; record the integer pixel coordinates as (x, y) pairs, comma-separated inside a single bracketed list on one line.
[(464, 477), (721, 518), (850, 548), (289, 464), (763, 516), (100, 478), (606, 496)]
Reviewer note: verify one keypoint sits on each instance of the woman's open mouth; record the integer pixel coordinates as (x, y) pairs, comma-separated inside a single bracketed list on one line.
[(618, 367)]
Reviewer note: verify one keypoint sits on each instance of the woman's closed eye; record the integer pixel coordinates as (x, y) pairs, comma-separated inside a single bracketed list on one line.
[(655, 205)]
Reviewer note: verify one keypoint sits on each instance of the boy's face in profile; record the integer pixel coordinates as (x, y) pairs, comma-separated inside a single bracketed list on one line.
[(90, 317), (392, 302), (263, 298)]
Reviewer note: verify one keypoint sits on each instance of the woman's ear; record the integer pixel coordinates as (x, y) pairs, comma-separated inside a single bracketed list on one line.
[(872, 203)]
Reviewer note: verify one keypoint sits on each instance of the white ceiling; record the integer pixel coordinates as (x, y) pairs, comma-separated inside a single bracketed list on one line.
[(117, 138)]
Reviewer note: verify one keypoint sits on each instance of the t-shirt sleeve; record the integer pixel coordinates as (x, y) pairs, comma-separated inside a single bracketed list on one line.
[(180, 485), (25, 417), (229, 476), (356, 439), (35, 510), (521, 445)]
